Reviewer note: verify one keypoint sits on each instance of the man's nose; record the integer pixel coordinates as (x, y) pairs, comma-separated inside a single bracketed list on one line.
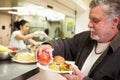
[(90, 25)]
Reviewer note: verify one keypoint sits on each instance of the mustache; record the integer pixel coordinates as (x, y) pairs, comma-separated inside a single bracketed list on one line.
[(91, 29)]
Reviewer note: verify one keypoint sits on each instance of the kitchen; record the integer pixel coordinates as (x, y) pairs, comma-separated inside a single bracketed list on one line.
[(74, 20), (42, 23)]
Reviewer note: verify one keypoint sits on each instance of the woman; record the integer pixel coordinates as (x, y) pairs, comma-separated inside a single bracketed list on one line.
[(18, 37)]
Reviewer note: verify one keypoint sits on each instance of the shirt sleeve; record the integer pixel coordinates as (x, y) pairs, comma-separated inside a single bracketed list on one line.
[(15, 33)]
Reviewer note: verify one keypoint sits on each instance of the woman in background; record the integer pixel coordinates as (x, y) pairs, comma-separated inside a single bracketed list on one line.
[(19, 36)]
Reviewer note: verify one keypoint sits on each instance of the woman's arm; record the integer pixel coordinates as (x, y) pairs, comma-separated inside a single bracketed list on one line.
[(24, 37), (31, 41)]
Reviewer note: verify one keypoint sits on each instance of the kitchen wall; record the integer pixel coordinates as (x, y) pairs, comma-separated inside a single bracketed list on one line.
[(69, 26), (82, 22), (5, 29)]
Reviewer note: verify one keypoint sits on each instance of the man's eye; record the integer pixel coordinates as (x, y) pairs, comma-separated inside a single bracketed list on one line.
[(96, 20)]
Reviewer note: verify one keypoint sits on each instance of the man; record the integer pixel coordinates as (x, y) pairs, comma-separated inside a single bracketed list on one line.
[(95, 52)]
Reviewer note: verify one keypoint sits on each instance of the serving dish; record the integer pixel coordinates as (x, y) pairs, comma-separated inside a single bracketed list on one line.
[(4, 55), (24, 62)]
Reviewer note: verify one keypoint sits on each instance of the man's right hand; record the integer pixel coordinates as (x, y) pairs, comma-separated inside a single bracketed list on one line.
[(44, 47)]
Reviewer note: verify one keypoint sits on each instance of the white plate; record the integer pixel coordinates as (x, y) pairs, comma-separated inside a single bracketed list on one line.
[(25, 62), (45, 67)]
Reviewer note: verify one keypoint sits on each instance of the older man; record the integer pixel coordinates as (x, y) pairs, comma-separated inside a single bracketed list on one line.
[(95, 52)]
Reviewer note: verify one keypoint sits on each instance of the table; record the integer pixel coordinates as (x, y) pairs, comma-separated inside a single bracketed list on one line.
[(9, 69)]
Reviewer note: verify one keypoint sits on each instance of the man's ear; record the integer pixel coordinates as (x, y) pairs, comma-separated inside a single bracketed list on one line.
[(116, 21)]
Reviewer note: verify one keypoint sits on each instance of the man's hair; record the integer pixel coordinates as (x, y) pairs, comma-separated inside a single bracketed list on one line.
[(110, 7)]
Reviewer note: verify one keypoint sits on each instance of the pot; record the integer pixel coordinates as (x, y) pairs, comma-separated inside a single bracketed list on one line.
[(4, 55)]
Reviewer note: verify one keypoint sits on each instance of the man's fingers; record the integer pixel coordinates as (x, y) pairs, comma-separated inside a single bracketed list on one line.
[(75, 70), (70, 77)]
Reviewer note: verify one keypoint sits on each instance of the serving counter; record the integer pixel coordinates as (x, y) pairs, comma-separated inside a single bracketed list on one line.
[(10, 70)]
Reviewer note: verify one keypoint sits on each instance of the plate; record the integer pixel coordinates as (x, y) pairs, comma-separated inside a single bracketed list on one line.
[(45, 67), (25, 62)]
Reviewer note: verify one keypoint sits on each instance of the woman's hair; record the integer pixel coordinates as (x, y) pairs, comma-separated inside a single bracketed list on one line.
[(110, 7), (18, 23)]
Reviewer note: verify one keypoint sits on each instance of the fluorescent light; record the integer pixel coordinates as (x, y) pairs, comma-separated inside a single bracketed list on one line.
[(50, 14), (12, 12), (6, 8), (26, 7)]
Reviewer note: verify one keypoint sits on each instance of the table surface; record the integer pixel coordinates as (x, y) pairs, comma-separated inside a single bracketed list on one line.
[(10, 69)]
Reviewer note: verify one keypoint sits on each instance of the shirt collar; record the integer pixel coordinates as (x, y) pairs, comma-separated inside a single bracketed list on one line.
[(115, 43)]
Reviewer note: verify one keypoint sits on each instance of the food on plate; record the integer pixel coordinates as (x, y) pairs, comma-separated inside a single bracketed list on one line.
[(65, 67), (44, 58), (4, 49), (54, 66), (59, 59), (60, 67), (25, 57), (59, 64)]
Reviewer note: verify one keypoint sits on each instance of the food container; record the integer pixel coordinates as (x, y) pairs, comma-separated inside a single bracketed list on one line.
[(4, 55), (12, 54)]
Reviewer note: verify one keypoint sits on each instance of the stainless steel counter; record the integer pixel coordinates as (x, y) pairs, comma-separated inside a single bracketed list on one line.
[(10, 70)]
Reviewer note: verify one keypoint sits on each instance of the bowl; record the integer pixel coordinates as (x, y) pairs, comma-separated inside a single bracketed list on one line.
[(12, 54), (4, 55)]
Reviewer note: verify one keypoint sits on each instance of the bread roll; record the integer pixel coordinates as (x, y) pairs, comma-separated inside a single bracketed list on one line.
[(59, 60)]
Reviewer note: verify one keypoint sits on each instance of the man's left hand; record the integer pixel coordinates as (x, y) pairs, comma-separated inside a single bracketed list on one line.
[(76, 75)]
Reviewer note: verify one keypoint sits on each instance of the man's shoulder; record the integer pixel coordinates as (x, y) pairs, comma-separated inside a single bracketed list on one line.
[(84, 33)]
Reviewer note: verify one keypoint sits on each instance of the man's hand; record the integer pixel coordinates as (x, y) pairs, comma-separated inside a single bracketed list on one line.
[(44, 47), (76, 75)]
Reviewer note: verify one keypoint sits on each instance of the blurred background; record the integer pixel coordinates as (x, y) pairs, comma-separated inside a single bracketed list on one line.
[(58, 18)]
